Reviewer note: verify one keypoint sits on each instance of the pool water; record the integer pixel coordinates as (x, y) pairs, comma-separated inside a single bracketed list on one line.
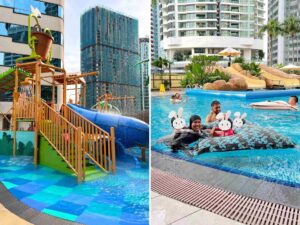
[(120, 199), (280, 165)]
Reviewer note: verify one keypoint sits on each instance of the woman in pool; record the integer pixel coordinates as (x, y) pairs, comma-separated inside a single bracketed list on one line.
[(194, 132)]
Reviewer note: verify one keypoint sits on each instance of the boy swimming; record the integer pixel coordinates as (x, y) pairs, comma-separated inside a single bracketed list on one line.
[(215, 110)]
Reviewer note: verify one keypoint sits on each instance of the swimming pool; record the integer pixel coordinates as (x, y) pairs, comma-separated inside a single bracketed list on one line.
[(280, 165), (120, 199)]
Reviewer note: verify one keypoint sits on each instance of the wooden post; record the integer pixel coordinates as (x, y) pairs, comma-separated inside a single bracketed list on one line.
[(84, 94), (76, 92), (113, 149), (14, 117), (53, 92), (65, 94), (37, 108), (79, 156)]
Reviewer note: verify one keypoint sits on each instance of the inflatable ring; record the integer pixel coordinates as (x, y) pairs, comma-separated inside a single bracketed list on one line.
[(275, 105)]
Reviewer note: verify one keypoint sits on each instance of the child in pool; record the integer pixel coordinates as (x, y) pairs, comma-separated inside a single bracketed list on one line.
[(215, 110)]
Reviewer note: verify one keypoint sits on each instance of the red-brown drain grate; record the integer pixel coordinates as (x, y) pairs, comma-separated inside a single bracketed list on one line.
[(236, 207)]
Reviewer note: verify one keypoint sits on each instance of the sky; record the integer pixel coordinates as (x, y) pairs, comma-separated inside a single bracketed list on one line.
[(139, 9)]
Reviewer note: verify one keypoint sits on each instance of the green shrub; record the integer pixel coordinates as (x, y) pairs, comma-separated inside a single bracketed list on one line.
[(201, 71), (253, 68), (239, 60)]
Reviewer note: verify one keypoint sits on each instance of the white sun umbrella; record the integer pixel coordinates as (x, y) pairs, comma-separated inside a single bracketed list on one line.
[(291, 67), (229, 52)]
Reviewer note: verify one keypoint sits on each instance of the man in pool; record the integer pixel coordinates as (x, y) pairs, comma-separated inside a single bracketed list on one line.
[(215, 110), (293, 101)]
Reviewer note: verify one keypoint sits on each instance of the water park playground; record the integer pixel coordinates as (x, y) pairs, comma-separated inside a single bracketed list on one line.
[(73, 163)]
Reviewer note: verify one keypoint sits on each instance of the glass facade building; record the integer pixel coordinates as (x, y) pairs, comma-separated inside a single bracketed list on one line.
[(155, 30), (23, 7), (18, 33), (109, 45), (145, 63)]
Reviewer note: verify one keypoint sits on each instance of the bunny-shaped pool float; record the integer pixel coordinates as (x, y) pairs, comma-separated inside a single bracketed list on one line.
[(177, 121), (239, 120), (224, 126)]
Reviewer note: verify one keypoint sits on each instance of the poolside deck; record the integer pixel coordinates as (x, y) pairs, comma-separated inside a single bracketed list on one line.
[(281, 199), (169, 211), (235, 183)]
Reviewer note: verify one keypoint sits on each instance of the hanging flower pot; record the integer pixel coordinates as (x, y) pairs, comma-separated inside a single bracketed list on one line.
[(42, 44)]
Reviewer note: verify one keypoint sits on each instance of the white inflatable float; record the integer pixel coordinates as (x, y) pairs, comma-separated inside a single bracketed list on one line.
[(275, 105)]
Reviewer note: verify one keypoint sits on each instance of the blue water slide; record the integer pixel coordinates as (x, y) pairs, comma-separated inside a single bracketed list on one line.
[(129, 132)]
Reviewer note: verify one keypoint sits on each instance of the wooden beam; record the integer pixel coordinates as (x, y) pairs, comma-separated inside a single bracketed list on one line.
[(14, 120)]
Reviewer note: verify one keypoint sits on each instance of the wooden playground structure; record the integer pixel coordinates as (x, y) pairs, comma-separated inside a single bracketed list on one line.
[(73, 137), (110, 103)]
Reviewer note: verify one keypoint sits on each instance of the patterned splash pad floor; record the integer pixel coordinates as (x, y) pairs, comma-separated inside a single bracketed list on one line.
[(121, 199)]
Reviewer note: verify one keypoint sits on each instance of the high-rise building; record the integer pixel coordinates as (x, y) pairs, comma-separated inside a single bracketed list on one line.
[(155, 30), (281, 46), (14, 35), (190, 27), (144, 57), (109, 44)]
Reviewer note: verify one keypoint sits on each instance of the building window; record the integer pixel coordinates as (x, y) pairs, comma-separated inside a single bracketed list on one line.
[(23, 7), (9, 59), (199, 50), (19, 33)]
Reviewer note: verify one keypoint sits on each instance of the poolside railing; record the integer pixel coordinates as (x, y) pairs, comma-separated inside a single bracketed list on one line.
[(99, 145), (25, 108), (64, 137)]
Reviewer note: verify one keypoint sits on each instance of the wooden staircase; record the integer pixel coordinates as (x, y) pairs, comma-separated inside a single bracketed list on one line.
[(74, 138)]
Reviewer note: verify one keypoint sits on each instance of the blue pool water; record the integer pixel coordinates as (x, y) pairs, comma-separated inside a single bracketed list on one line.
[(281, 165), (121, 199)]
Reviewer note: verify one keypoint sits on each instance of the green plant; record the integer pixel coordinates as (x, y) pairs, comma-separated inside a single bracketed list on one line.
[(239, 60), (278, 66), (195, 74), (253, 68), (273, 29), (161, 63), (218, 75), (201, 70), (178, 56), (291, 27)]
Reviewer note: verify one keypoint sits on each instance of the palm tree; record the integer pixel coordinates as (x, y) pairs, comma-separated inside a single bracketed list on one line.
[(291, 27), (169, 66), (160, 63), (273, 29)]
